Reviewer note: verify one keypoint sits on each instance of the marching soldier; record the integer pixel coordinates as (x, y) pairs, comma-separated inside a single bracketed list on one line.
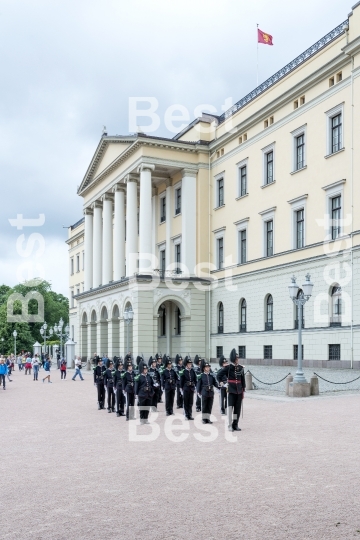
[(99, 381), (144, 391), (168, 381), (118, 385), (160, 368), (236, 388), (222, 363), (109, 384), (155, 374), (129, 389), (188, 386), (197, 370), (205, 389), (178, 368)]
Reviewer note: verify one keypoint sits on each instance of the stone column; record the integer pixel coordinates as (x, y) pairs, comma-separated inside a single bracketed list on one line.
[(145, 222), (107, 240), (97, 245), (88, 248), (131, 224), (188, 210), (119, 233), (168, 257)]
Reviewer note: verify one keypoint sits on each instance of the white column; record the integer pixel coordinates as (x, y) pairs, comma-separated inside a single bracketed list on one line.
[(119, 233), (145, 223), (131, 225), (168, 256), (88, 248), (188, 211), (97, 245), (107, 239)]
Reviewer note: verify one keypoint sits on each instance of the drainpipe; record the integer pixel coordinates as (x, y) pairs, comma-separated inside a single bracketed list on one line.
[(209, 255)]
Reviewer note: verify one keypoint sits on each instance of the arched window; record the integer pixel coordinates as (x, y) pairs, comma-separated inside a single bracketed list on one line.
[(243, 315), (220, 318), (84, 318), (93, 316), (269, 313), (104, 314), (336, 306), (115, 313), (162, 320)]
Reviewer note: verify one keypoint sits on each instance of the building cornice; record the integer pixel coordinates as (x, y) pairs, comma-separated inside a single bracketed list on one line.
[(336, 184)]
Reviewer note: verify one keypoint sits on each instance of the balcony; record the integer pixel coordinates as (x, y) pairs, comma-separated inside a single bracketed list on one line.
[(268, 326), (335, 321), (296, 324), (242, 327), (220, 329)]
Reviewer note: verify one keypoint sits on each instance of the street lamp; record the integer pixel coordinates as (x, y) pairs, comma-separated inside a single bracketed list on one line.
[(300, 300), (58, 330), (14, 334), (43, 333), (128, 316)]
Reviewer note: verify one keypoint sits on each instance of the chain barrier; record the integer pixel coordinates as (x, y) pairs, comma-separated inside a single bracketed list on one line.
[(268, 383), (332, 382)]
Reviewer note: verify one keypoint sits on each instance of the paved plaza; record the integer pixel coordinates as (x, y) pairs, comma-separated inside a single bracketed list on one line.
[(69, 471)]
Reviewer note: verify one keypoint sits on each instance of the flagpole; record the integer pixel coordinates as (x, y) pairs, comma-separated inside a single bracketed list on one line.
[(257, 56)]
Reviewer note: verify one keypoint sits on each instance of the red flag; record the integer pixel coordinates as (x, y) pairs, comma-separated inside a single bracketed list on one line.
[(264, 38)]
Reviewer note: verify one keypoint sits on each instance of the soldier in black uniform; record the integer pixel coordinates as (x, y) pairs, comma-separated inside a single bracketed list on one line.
[(168, 381), (236, 388), (188, 386), (155, 374), (109, 383), (160, 368), (178, 368), (205, 389), (144, 391), (129, 389), (99, 381), (197, 370), (118, 385), (223, 397)]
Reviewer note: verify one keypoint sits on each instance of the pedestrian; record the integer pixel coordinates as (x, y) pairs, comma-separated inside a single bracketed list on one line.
[(3, 372), (235, 390), (19, 363), (205, 389), (58, 359), (47, 370), (198, 373), (223, 388), (155, 374), (35, 367), (99, 382), (78, 367), (178, 369), (28, 365), (63, 368), (168, 381), (144, 392), (118, 386), (129, 389), (188, 382), (109, 383)]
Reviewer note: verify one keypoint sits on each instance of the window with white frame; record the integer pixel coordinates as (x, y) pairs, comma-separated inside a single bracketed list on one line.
[(220, 191), (72, 265), (299, 147), (162, 261), (335, 121), (178, 201), (178, 258), (298, 214), (268, 164), (220, 252), (242, 178), (335, 217), (78, 262), (83, 260), (162, 209), (269, 231), (242, 246), (334, 209), (72, 302)]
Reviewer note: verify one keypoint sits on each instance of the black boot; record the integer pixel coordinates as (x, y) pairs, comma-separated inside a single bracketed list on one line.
[(99, 406)]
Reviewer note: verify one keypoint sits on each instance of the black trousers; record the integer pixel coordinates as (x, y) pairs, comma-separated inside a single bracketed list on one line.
[(179, 398), (111, 398), (120, 400), (169, 401), (198, 403), (63, 373), (188, 402), (101, 393), (2, 380), (223, 399), (144, 402), (130, 401), (156, 397), (234, 402), (206, 406)]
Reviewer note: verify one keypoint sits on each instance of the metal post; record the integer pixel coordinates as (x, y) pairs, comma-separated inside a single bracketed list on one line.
[(299, 375), (127, 336), (15, 346)]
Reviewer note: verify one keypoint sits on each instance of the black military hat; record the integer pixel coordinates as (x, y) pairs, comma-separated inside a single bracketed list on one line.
[(233, 355), (202, 364), (205, 364), (143, 366), (177, 359), (165, 359), (138, 360), (196, 360), (168, 361), (98, 359), (128, 363), (222, 361), (150, 361), (187, 361)]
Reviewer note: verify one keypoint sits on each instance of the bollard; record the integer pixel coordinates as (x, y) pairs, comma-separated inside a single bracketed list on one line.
[(248, 381), (288, 380), (314, 386), (88, 365)]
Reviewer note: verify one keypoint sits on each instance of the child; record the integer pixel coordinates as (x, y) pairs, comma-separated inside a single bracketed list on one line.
[(63, 368)]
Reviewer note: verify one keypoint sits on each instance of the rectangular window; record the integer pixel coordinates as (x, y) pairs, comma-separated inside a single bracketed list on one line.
[(178, 258), (72, 298), (300, 151), (178, 201), (336, 133), (220, 192), (242, 246), (219, 351), (269, 167), (243, 180), (268, 352), (300, 228), (71, 266), (334, 352), (335, 217), (78, 263), (242, 351), (162, 209), (269, 238), (295, 352), (162, 261), (83, 260), (220, 252)]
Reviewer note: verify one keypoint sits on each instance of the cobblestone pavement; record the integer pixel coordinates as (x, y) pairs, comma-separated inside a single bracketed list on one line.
[(69, 471)]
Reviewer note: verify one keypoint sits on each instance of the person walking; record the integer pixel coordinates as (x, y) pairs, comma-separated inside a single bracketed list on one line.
[(188, 381), (63, 368), (144, 391), (205, 389), (47, 370), (35, 367), (19, 363), (28, 365), (235, 390), (78, 367), (3, 372), (168, 382)]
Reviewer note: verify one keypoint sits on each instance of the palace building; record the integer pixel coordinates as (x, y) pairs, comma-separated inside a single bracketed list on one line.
[(200, 234)]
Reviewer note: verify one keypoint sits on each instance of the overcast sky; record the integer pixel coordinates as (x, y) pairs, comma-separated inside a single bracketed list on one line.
[(70, 67)]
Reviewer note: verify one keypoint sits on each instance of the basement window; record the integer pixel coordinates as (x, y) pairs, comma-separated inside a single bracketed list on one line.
[(302, 100), (266, 124), (271, 120), (331, 81), (339, 77), (296, 104)]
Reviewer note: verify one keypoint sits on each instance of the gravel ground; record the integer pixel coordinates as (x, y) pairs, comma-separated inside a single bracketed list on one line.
[(69, 471)]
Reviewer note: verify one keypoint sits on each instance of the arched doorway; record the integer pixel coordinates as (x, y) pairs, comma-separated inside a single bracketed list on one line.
[(84, 337), (170, 329), (104, 342)]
